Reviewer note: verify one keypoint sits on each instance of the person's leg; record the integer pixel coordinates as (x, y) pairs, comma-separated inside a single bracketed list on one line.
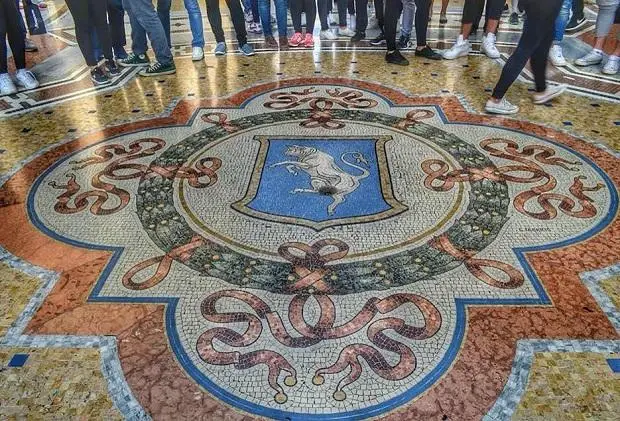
[(538, 61), (4, 66), (195, 22), (351, 6), (406, 25), (421, 22), (380, 14), (255, 15), (15, 35), (264, 10), (444, 6), (471, 10), (323, 11), (604, 21), (236, 15), (139, 45), (361, 16), (296, 9), (98, 16), (342, 13), (116, 17), (148, 19), (215, 19), (393, 9), (81, 17), (22, 24), (163, 12), (562, 21), (310, 10), (494, 10), (282, 16)]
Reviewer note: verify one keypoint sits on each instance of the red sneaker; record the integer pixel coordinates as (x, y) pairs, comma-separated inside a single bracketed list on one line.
[(309, 41), (297, 40)]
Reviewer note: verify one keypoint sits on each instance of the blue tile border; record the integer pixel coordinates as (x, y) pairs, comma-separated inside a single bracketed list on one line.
[(118, 388), (506, 404), (18, 360), (614, 364)]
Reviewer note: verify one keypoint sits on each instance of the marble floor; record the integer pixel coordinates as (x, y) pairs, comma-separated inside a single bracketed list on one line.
[(305, 235)]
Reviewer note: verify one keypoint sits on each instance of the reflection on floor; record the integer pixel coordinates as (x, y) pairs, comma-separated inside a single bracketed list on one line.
[(308, 235)]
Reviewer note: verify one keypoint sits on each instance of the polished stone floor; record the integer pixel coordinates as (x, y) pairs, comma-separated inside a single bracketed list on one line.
[(306, 235)]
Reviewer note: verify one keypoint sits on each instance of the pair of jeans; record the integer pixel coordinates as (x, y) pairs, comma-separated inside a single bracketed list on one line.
[(392, 14), (534, 45), (236, 14), (409, 10), (264, 9), (299, 6), (145, 20), (562, 20), (87, 13), (9, 27), (138, 33), (195, 22)]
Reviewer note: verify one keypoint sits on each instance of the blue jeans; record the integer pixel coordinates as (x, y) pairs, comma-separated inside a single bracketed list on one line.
[(144, 20), (264, 9), (406, 25), (562, 20), (195, 22)]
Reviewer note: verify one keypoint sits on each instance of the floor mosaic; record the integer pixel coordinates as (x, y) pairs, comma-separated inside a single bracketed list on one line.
[(305, 235)]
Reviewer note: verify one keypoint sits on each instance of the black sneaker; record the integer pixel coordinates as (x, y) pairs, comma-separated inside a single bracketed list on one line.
[(135, 60), (158, 69), (99, 77), (403, 42), (112, 68), (427, 52), (358, 36), (514, 18), (395, 57), (380, 40), (576, 24)]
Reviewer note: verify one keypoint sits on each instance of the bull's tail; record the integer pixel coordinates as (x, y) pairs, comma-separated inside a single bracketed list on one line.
[(359, 159)]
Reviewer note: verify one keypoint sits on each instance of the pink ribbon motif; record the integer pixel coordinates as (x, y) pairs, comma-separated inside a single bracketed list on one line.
[(413, 117), (220, 119), (124, 167), (526, 171), (309, 262)]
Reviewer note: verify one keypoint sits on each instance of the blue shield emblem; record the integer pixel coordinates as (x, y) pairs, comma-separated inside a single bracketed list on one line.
[(320, 182)]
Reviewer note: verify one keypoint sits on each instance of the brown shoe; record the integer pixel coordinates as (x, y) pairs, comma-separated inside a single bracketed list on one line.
[(283, 43), (271, 42)]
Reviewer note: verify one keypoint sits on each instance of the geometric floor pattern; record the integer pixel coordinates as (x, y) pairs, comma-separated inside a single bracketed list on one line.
[(310, 236)]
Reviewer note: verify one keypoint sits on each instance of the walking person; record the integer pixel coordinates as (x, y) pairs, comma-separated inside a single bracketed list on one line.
[(607, 14), (238, 20), (534, 46), (297, 7), (9, 28), (145, 21), (86, 14), (472, 12)]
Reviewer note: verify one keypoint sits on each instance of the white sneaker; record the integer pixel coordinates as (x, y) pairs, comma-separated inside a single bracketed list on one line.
[(26, 79), (197, 53), (488, 46), (612, 65), (460, 49), (7, 87), (557, 56), (590, 59), (502, 107), (328, 35), (346, 32), (548, 94)]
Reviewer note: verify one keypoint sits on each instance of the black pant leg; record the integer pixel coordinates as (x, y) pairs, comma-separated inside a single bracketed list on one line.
[(361, 16), (310, 9), (238, 20), (423, 8), (80, 11), (98, 16), (296, 7), (342, 12), (215, 19), (380, 14), (10, 28), (393, 9), (116, 16)]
